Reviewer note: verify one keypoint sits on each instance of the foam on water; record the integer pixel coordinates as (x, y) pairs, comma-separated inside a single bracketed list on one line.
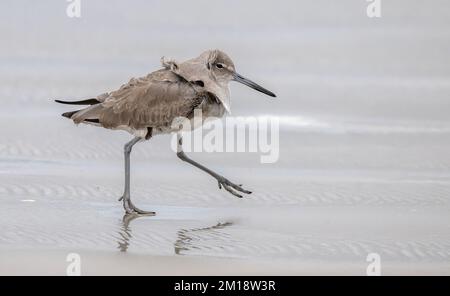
[(363, 126)]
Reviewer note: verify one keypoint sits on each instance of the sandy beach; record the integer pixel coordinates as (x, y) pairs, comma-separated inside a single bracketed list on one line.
[(364, 163)]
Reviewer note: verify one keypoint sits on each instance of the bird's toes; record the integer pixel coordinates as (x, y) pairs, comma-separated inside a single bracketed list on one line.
[(142, 212), (239, 188), (232, 188), (227, 188)]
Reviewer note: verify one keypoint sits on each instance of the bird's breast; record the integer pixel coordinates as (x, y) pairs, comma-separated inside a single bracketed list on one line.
[(212, 108)]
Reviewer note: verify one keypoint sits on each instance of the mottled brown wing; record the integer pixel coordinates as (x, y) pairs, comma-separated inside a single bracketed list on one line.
[(151, 101)]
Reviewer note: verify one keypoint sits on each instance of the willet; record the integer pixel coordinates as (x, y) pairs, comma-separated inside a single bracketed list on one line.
[(147, 106)]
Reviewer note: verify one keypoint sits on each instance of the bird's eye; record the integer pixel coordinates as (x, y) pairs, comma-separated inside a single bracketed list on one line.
[(220, 66)]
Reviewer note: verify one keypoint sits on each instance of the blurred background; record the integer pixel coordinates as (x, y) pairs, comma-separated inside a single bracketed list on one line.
[(365, 129), (332, 67)]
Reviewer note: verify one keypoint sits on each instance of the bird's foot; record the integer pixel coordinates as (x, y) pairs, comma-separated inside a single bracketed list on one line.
[(131, 209), (231, 187)]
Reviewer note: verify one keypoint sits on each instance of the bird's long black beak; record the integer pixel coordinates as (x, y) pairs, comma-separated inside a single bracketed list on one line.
[(248, 82)]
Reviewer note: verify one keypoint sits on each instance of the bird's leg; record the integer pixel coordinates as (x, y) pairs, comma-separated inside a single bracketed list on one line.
[(222, 181), (127, 151), (126, 198)]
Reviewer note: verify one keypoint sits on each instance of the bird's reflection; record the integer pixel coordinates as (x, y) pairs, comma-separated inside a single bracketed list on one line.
[(185, 239), (125, 231)]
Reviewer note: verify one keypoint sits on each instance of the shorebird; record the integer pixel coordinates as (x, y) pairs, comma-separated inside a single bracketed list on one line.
[(147, 106)]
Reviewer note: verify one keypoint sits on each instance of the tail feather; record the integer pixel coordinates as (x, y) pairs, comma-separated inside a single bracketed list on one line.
[(91, 112), (92, 120), (69, 114), (82, 102)]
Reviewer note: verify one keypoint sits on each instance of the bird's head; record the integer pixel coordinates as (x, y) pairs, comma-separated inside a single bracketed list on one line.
[(211, 72)]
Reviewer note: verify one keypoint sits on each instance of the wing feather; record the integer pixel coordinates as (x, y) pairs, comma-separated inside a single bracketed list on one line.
[(151, 101)]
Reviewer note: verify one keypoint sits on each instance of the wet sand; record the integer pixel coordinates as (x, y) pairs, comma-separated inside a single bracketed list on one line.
[(296, 221)]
